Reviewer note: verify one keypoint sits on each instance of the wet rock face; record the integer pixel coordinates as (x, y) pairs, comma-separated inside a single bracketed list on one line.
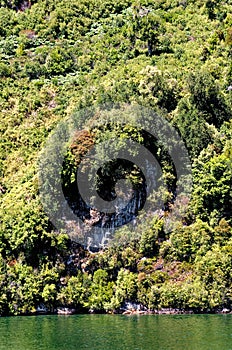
[(129, 204), (99, 179)]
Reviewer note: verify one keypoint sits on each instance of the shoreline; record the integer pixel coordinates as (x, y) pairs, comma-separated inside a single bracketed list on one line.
[(164, 311), (177, 312)]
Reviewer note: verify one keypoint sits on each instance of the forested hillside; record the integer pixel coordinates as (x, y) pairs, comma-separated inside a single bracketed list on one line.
[(58, 57)]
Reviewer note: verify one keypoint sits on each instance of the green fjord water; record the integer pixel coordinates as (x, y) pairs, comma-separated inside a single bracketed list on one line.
[(117, 332)]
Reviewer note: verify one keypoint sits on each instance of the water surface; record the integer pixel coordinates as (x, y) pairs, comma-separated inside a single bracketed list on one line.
[(117, 332)]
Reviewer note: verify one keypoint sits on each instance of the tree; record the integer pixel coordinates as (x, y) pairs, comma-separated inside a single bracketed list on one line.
[(125, 289), (101, 291), (149, 242)]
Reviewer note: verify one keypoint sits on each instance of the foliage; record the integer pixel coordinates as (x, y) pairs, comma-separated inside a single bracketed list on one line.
[(60, 56)]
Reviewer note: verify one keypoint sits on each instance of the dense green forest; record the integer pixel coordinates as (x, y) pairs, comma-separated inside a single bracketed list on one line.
[(58, 57)]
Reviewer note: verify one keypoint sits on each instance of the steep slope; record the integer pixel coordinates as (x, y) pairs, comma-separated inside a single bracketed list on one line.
[(58, 57)]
